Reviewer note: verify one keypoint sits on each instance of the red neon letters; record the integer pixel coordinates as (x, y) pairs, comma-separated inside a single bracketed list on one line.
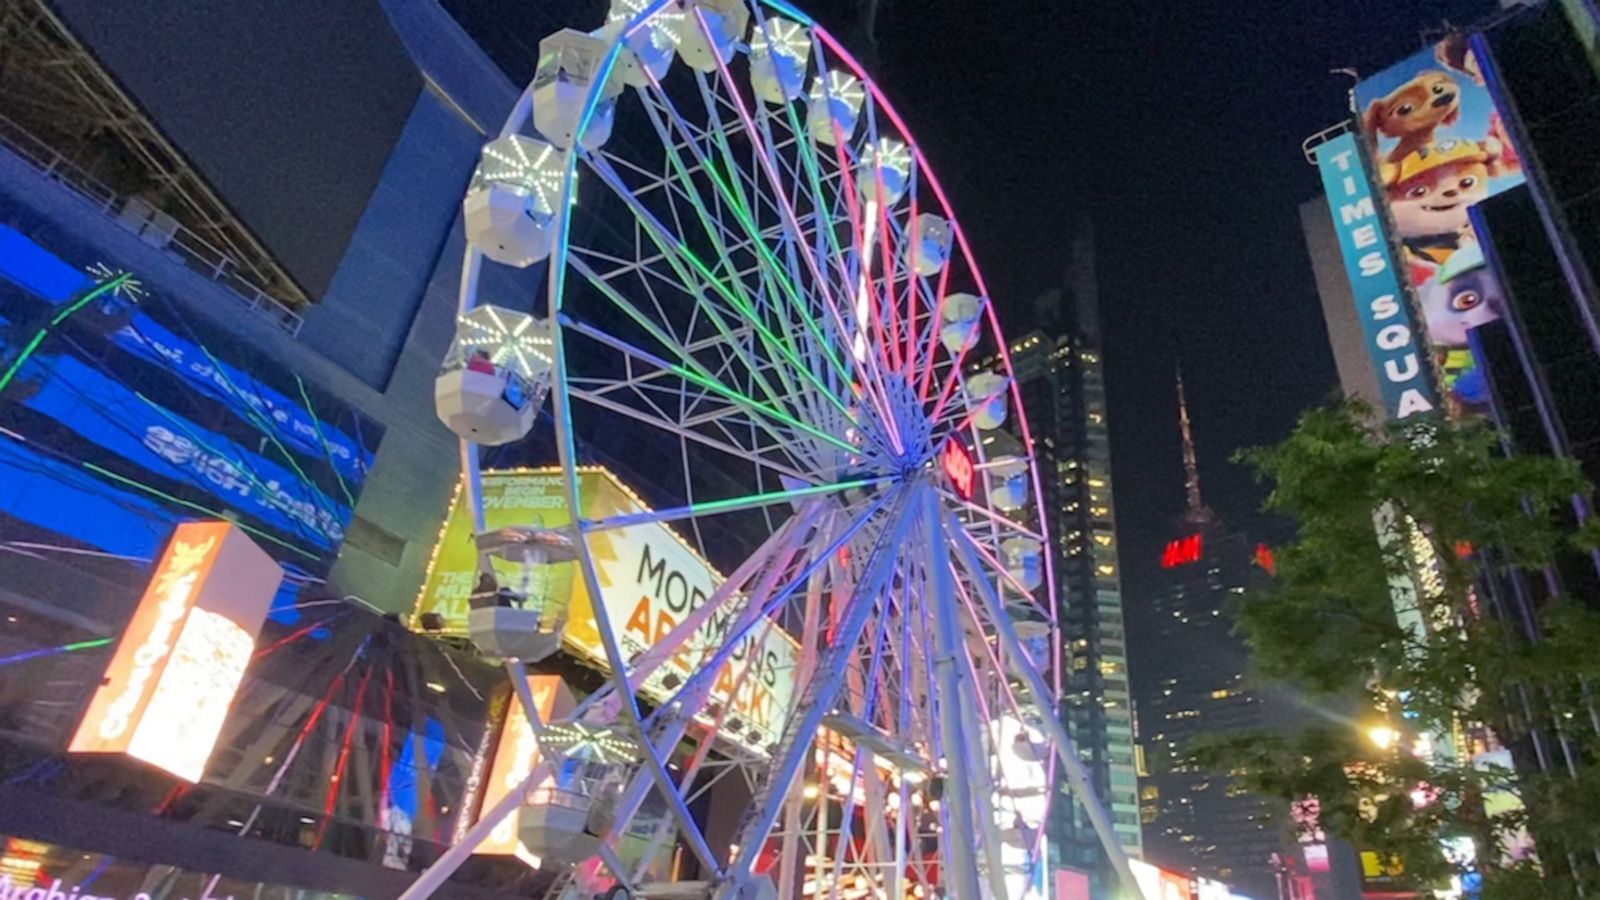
[(1181, 552)]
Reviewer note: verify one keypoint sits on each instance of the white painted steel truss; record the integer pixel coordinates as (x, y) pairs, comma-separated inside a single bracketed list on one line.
[(741, 303)]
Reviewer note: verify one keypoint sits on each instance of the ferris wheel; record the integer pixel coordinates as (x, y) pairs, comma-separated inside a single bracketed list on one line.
[(756, 291)]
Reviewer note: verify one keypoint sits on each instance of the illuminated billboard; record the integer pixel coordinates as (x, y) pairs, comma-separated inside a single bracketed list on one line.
[(650, 577), (515, 758), (1161, 884), (140, 415), (173, 677), (1375, 281), (1440, 146)]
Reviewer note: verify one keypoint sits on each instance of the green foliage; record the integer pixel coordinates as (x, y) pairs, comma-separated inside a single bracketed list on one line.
[(1376, 603)]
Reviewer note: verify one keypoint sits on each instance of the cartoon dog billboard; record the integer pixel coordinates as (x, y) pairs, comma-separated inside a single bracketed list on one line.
[(1439, 146)]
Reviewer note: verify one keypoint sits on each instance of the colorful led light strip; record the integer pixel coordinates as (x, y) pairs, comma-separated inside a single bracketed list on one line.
[(33, 344), (53, 651)]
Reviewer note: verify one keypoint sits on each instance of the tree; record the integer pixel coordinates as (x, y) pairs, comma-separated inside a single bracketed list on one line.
[(1389, 601)]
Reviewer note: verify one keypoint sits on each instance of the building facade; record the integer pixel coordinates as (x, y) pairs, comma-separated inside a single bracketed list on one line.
[(224, 295), (1191, 680), (1532, 260)]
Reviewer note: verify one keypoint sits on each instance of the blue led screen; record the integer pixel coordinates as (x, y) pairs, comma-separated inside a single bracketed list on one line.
[(146, 415)]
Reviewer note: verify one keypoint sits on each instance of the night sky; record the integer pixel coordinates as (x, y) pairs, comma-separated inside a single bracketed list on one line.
[(1178, 126)]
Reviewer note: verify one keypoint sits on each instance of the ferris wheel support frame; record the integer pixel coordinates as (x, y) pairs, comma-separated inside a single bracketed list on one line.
[(639, 788), (1077, 775), (826, 681), (947, 670), (954, 665)]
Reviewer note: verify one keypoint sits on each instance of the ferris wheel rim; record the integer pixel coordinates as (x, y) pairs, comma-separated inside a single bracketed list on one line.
[(561, 396)]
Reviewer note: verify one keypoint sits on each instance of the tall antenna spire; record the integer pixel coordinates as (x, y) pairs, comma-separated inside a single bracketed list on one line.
[(1197, 511)]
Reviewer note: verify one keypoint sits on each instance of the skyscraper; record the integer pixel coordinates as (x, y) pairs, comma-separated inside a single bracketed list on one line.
[(1059, 372), (1191, 679)]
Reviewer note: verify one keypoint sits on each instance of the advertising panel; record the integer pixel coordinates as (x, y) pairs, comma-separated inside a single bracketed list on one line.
[(650, 578), (1381, 303), (296, 423), (173, 677), (123, 421), (162, 416), (1072, 885), (515, 758), (1440, 146), (1160, 884)]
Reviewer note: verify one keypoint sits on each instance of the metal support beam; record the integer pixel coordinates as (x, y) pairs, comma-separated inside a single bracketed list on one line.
[(961, 866), (1077, 775)]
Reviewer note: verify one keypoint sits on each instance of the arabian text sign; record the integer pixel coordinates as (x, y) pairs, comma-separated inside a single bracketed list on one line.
[(650, 580), (173, 677)]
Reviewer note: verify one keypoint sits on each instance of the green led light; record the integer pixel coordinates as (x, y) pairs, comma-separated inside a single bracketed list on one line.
[(713, 506), (123, 479), (102, 288), (16, 364), (28, 350)]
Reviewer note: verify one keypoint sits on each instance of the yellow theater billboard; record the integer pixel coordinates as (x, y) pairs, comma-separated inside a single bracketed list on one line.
[(650, 578), (173, 677)]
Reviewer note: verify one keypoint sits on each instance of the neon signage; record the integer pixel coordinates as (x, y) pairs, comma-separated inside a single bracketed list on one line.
[(1183, 551), (958, 466), (1266, 560), (168, 687)]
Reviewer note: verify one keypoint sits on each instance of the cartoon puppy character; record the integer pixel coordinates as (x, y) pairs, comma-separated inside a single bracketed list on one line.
[(1413, 112), (1462, 294), (1430, 190)]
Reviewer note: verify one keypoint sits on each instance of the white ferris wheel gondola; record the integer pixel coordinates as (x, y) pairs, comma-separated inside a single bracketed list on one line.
[(986, 399), (930, 251), (764, 300), (962, 317), (1008, 482), (495, 375), (780, 49)]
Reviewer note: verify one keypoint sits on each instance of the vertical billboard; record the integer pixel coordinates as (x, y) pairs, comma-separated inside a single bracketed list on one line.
[(515, 758), (650, 579), (1381, 302), (173, 677), (1440, 146)]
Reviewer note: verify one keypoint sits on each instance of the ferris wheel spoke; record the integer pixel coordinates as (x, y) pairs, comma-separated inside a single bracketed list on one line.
[(1077, 775), (764, 607), (772, 557), (1011, 525), (761, 145), (818, 695), (749, 214), (680, 256), (731, 195), (661, 422), (806, 150), (712, 507), (693, 372), (877, 213), (683, 261)]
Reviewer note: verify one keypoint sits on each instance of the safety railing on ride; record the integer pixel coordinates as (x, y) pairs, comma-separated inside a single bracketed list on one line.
[(155, 227)]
